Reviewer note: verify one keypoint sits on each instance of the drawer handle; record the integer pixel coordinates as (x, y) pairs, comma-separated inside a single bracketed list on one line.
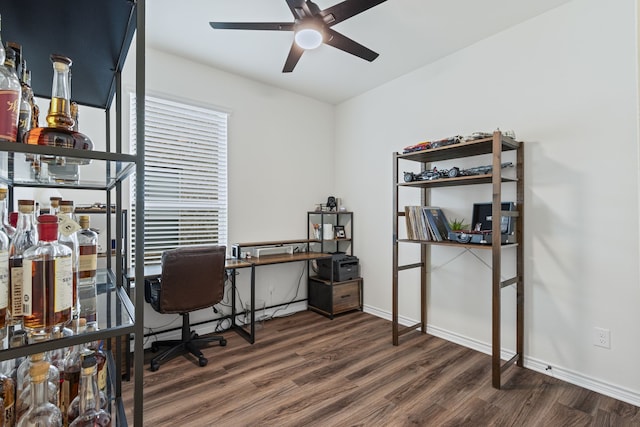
[(345, 296)]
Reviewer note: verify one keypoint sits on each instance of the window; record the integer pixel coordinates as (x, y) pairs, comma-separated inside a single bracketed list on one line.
[(185, 176)]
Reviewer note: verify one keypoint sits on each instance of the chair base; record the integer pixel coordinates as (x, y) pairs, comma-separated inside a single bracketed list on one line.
[(190, 343)]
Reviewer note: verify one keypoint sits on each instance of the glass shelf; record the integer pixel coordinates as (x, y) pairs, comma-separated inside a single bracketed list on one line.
[(96, 170), (116, 316)]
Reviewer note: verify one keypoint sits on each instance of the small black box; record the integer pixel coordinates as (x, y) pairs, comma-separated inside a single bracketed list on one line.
[(344, 267)]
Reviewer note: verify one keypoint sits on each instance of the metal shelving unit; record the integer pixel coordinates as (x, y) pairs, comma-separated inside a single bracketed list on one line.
[(96, 36), (494, 146)]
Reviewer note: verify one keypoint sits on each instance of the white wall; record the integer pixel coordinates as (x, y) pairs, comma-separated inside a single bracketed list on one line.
[(279, 161), (566, 82)]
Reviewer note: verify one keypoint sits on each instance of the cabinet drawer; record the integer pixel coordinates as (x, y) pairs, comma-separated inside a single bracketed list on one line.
[(346, 296)]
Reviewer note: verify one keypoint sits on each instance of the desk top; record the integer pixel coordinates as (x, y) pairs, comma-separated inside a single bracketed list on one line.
[(156, 270)]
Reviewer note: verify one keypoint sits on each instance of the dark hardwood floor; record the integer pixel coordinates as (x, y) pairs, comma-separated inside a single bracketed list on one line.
[(307, 370)]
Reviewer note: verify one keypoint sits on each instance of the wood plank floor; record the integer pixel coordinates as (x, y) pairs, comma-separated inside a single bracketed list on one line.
[(307, 370)]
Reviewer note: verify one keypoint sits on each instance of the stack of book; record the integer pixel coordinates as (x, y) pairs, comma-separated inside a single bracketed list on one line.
[(426, 223)]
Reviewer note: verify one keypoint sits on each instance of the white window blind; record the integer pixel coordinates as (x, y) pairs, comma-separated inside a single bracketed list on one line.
[(185, 176)]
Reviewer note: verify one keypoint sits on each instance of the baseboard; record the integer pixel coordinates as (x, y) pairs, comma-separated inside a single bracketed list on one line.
[(541, 366)]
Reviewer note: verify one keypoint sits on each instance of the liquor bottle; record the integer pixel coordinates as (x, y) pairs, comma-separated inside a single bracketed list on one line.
[(51, 298), (71, 379), (26, 103), (4, 219), (90, 412), (101, 359), (41, 412), (23, 383), (59, 131), (54, 205), (67, 229), (4, 274), (7, 394), (26, 236), (10, 93), (87, 264)]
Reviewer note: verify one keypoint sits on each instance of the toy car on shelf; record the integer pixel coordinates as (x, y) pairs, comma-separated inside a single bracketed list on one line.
[(427, 175), (426, 145), (478, 170)]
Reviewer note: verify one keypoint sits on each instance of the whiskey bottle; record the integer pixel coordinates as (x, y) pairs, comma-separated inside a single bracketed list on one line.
[(5, 224), (23, 383), (10, 93), (51, 297), (72, 367), (4, 274), (54, 205), (90, 412), (26, 236), (41, 412), (67, 229), (7, 394), (87, 265), (59, 131)]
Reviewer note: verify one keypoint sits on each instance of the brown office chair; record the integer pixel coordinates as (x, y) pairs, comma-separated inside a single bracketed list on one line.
[(192, 279)]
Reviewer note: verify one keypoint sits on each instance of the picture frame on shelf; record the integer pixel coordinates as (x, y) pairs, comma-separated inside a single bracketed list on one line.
[(339, 232)]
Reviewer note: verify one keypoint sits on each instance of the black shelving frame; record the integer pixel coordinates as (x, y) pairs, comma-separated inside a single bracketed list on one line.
[(96, 35)]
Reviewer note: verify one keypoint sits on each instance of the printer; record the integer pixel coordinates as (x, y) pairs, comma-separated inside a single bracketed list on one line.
[(344, 267)]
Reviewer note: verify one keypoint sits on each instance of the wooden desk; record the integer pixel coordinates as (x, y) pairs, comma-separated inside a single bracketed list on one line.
[(250, 335), (154, 271)]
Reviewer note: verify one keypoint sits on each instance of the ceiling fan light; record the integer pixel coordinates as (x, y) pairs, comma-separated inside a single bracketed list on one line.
[(308, 38)]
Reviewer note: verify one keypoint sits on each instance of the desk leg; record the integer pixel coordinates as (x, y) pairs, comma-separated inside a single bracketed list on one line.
[(240, 329), (232, 273)]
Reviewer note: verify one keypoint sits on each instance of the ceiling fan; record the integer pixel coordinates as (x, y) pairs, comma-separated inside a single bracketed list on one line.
[(312, 27)]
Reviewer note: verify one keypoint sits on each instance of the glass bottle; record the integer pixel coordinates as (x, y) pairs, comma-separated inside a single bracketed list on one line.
[(51, 296), (90, 412), (54, 205), (7, 394), (71, 379), (67, 235), (4, 273), (10, 93), (87, 265), (59, 131), (26, 236), (4, 219), (26, 103), (23, 383), (41, 412)]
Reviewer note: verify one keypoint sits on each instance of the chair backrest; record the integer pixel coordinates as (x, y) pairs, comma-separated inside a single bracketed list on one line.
[(192, 278)]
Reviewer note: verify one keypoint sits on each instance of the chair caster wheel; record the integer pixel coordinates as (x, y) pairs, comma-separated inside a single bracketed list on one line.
[(223, 343), (155, 366), (202, 361)]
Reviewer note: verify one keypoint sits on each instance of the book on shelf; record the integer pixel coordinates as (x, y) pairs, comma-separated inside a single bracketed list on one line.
[(438, 223), (426, 223)]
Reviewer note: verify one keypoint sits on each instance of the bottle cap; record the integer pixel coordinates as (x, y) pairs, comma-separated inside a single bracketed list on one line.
[(3, 193), (48, 227), (26, 206), (84, 221)]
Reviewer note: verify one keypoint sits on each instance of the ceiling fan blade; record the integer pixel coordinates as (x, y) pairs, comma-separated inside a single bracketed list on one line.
[(268, 26), (297, 8), (294, 56), (345, 10), (344, 43)]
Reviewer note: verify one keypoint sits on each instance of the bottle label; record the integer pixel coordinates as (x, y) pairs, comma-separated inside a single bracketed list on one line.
[(102, 377), (63, 284), (88, 263), (67, 226), (4, 279), (18, 290), (9, 113)]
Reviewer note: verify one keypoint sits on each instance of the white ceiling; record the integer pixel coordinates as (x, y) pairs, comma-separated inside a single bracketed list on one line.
[(407, 34)]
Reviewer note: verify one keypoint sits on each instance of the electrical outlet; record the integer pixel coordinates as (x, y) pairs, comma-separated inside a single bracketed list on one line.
[(602, 337)]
